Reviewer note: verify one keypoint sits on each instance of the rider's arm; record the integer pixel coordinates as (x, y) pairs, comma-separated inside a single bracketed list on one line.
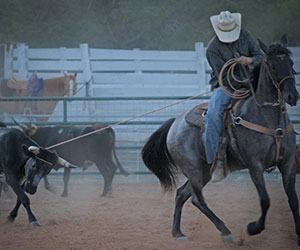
[(255, 51)]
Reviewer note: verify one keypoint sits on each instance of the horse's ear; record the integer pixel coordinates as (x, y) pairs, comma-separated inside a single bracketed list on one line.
[(75, 74), (263, 46), (284, 40), (65, 74)]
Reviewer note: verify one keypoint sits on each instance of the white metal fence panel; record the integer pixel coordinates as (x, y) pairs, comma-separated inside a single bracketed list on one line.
[(114, 72)]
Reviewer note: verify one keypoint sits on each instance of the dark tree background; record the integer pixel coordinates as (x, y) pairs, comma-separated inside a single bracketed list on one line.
[(145, 24)]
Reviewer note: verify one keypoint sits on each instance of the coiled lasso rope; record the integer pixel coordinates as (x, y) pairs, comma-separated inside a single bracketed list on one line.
[(230, 90)]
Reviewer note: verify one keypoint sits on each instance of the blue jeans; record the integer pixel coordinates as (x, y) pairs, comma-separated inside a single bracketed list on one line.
[(213, 123)]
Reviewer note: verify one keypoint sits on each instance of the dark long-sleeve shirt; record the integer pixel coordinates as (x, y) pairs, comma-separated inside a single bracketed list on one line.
[(218, 53)]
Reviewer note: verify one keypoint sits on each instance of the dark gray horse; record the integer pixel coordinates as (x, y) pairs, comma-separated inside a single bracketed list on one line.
[(178, 146)]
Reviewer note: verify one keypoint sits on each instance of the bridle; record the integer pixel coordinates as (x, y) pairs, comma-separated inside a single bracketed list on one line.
[(276, 133), (277, 84), (243, 93)]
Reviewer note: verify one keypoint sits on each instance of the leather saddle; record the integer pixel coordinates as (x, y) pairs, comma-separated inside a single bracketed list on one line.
[(196, 115)]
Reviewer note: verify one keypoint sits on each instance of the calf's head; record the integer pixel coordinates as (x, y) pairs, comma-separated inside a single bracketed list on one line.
[(39, 164)]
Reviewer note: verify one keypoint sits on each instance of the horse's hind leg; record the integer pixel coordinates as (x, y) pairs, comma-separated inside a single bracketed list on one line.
[(199, 202), (257, 177), (182, 195), (288, 178)]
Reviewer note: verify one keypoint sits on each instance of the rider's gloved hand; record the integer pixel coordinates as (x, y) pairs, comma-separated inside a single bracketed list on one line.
[(245, 60)]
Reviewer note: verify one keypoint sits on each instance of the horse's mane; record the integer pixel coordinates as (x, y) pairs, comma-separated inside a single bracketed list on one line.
[(278, 49)]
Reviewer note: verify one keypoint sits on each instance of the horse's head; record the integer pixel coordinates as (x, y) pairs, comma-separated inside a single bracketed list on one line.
[(279, 67), (70, 84)]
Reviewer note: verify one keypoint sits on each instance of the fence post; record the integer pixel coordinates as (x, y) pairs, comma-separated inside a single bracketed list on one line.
[(8, 61), (62, 51), (87, 71), (200, 61), (137, 60), (65, 110), (22, 61)]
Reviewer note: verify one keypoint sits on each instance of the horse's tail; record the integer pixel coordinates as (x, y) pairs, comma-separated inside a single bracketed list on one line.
[(157, 158)]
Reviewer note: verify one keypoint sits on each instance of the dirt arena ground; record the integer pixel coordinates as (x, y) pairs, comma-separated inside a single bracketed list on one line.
[(139, 216)]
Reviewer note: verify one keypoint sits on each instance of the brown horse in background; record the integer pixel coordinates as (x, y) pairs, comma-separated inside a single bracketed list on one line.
[(59, 86)]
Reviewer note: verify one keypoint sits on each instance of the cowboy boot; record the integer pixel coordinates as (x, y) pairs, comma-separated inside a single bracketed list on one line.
[(218, 168)]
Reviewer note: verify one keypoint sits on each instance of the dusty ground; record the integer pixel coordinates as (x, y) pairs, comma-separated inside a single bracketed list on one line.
[(139, 216)]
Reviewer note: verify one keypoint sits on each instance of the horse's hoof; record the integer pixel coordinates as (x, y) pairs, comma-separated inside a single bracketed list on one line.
[(228, 238), (10, 219), (107, 194), (179, 236), (253, 229), (35, 223)]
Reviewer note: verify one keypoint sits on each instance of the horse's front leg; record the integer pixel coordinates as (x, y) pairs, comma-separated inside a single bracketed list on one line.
[(23, 199), (288, 178), (257, 177), (14, 213)]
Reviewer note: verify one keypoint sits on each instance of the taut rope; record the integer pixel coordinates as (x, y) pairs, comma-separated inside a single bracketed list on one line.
[(126, 120)]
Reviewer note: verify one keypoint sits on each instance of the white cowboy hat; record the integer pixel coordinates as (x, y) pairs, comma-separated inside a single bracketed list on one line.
[(227, 26)]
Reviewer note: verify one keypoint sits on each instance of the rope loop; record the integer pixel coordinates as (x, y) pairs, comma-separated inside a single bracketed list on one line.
[(230, 90)]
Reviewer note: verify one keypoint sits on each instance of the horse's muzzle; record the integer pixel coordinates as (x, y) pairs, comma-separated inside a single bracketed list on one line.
[(292, 99), (30, 189)]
